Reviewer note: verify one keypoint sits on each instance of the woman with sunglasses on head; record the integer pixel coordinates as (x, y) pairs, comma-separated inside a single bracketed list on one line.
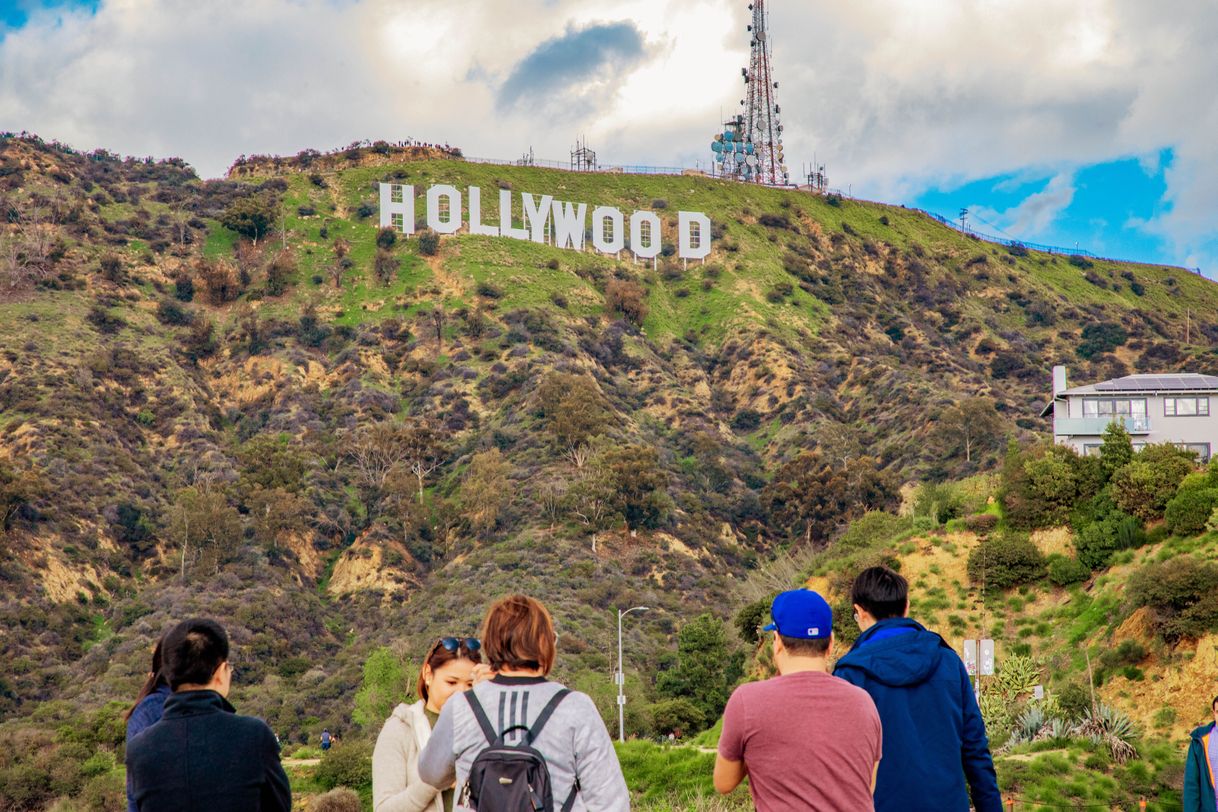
[(448, 668), (519, 707)]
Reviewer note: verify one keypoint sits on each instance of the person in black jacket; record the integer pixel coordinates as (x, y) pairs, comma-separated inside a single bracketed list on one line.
[(935, 752), (201, 756)]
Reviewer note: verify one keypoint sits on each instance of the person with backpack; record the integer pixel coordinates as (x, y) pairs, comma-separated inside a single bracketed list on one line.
[(448, 669), (326, 739), (518, 741), (148, 708), (935, 749)]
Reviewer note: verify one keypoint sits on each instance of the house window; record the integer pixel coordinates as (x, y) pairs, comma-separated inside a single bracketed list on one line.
[(1186, 407), (396, 194), (1202, 450), (399, 222), (1097, 407), (1091, 449)]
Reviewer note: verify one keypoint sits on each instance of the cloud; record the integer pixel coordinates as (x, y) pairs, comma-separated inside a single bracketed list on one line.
[(1038, 211), (895, 96), (567, 70)]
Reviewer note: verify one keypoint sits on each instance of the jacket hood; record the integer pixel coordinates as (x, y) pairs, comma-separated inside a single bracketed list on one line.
[(900, 660), (194, 703), (1200, 732)]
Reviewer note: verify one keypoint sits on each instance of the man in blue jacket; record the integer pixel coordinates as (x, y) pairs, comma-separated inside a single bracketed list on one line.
[(934, 739), (201, 756)]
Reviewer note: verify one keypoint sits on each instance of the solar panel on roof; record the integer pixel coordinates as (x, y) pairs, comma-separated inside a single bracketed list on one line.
[(1141, 383)]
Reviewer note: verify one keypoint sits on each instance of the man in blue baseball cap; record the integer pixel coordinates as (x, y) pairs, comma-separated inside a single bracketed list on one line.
[(805, 739)]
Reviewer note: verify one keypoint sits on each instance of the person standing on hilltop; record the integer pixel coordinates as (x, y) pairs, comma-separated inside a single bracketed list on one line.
[(448, 669), (1199, 768), (805, 739), (934, 737)]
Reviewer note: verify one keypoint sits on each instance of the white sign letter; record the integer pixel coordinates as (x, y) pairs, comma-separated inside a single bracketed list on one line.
[(686, 220), (600, 215), (476, 226), (537, 215), (434, 221), (570, 222), (505, 218), (397, 207), (652, 235)]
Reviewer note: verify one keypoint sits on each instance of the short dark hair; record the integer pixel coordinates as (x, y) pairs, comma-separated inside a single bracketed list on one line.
[(802, 647), (1215, 702), (883, 592), (193, 650)]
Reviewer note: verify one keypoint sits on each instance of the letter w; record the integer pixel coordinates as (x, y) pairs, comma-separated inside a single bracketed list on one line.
[(570, 224)]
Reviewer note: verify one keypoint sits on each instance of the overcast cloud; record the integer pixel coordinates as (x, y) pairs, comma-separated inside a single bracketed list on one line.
[(895, 96)]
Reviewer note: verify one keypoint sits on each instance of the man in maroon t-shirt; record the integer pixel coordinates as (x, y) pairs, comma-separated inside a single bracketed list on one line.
[(805, 739)]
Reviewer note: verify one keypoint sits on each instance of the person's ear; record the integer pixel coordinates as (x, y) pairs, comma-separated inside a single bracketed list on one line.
[(428, 674), (779, 648), (832, 642), (906, 607)]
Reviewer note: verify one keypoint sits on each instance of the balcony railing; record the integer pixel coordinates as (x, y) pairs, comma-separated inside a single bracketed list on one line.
[(1095, 426)]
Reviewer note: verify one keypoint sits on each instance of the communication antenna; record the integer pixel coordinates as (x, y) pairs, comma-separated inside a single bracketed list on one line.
[(964, 219), (527, 159), (750, 146), (582, 158)]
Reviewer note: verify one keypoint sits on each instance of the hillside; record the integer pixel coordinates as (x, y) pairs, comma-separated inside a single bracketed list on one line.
[(595, 431)]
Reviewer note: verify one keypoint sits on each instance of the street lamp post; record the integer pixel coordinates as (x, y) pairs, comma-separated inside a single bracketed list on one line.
[(620, 676)]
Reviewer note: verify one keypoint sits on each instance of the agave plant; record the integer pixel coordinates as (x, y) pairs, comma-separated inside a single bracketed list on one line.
[(1103, 724)]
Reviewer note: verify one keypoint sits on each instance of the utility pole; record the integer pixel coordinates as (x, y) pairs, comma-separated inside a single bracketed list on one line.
[(620, 676)]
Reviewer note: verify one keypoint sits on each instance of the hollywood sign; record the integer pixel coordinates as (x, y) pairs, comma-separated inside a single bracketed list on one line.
[(545, 220)]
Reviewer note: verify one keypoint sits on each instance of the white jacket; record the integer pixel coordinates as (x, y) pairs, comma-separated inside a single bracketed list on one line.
[(396, 786)]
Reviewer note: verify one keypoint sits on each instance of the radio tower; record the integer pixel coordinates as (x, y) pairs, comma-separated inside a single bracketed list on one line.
[(750, 147)]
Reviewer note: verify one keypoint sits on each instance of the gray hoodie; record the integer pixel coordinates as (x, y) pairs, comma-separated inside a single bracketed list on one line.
[(575, 742)]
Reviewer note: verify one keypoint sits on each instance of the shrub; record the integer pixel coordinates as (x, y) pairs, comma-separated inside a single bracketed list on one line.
[(1017, 249), (1144, 486), (938, 501), (251, 216), (365, 210), (1096, 542), (746, 420), (1064, 570), (172, 313), (112, 268), (336, 800), (1180, 593), (183, 288), (306, 211), (1189, 511), (347, 765), (981, 523), (1100, 337), (429, 243), (627, 298), (1005, 561), (489, 290), (279, 273), (386, 238)]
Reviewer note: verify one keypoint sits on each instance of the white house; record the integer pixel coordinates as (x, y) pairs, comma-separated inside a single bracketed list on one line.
[(1154, 409)]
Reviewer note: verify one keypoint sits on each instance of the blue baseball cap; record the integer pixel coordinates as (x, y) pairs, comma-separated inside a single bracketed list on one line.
[(801, 613)]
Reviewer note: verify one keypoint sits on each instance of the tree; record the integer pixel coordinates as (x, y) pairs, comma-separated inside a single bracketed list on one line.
[(574, 408), (1144, 486), (632, 484), (385, 684), (1005, 561), (972, 425), (276, 512), (219, 282), (386, 266), (1117, 449), (627, 299), (341, 261), (272, 461), (705, 671), (811, 495), (203, 526), (380, 450), (280, 273), (486, 490), (251, 216)]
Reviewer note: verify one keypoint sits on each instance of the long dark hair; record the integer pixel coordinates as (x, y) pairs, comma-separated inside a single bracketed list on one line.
[(156, 677)]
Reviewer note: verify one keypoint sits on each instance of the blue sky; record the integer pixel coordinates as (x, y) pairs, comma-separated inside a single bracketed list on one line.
[(1093, 129)]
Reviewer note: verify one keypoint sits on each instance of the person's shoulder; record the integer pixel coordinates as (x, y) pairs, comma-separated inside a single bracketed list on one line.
[(251, 726)]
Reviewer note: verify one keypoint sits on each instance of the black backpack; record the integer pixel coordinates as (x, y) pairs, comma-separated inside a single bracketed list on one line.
[(512, 778)]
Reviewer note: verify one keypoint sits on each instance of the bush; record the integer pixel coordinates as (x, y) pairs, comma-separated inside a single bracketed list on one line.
[(626, 298), (1005, 561), (346, 765), (429, 243), (1180, 593), (1189, 511), (336, 800), (939, 501), (386, 238), (172, 313), (183, 288), (746, 420), (1096, 542), (1101, 337), (981, 523), (1064, 570), (1143, 487)]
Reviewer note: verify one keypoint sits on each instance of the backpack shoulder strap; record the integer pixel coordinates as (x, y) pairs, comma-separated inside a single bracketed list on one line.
[(545, 714), (488, 729), (569, 804)]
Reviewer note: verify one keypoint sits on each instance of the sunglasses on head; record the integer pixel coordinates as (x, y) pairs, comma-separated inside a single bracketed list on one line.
[(451, 644)]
